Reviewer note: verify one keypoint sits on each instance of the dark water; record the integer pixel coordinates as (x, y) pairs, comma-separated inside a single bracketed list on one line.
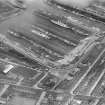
[(26, 17)]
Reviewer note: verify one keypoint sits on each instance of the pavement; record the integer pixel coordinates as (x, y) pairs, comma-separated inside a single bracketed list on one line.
[(32, 43)]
